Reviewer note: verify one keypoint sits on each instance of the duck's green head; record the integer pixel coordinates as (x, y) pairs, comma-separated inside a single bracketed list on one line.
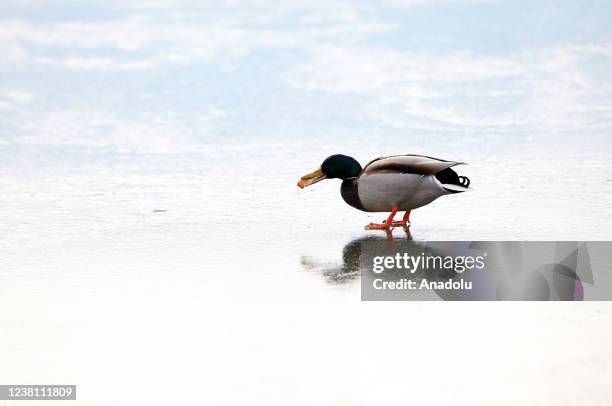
[(334, 167)]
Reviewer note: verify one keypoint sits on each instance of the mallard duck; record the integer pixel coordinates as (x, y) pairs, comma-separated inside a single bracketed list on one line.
[(390, 183)]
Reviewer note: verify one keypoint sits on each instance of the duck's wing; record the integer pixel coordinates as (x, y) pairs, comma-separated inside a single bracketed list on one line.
[(417, 164)]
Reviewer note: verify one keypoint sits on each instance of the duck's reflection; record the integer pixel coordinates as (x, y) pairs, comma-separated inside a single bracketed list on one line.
[(349, 270), (509, 273), (358, 253), (405, 230)]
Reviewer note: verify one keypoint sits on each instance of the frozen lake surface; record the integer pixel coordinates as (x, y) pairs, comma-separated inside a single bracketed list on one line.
[(208, 275)]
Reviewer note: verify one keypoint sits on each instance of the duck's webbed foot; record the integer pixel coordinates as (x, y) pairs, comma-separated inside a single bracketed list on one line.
[(404, 222), (388, 223), (400, 224), (377, 226)]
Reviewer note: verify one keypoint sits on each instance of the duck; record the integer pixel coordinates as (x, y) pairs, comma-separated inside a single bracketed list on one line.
[(390, 184)]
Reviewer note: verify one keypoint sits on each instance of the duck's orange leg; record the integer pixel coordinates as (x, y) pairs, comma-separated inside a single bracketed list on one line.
[(404, 222), (386, 224)]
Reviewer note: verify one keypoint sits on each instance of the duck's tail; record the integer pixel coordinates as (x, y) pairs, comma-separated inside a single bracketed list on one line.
[(452, 182)]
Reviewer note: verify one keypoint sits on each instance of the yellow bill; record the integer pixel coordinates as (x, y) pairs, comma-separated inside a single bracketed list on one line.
[(311, 178)]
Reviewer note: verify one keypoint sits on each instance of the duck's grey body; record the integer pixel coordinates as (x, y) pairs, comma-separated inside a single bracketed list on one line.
[(404, 181)]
